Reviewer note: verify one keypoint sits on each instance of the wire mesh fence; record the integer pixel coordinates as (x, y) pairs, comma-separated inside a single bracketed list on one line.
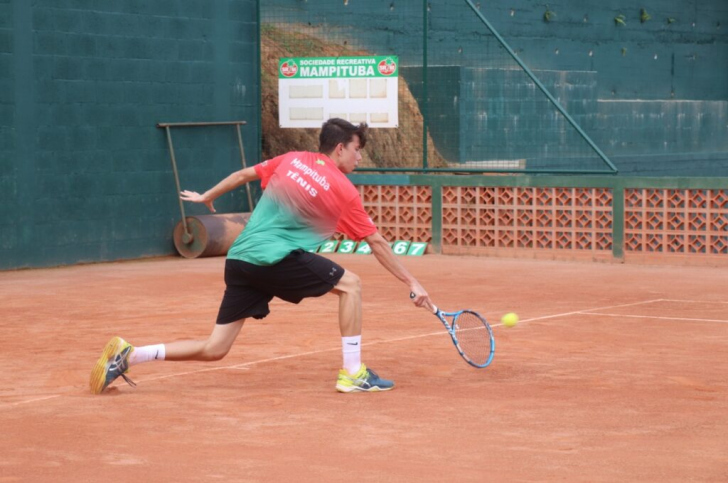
[(438, 86)]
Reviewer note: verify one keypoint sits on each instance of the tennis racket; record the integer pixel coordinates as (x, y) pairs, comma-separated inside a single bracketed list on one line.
[(471, 334)]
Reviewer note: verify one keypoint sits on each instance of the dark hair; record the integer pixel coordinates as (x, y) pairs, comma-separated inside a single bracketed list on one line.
[(335, 131)]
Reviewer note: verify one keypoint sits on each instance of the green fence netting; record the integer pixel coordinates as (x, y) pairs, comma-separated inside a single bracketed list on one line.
[(454, 96)]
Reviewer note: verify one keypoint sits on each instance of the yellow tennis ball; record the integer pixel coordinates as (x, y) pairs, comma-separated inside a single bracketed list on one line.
[(510, 319)]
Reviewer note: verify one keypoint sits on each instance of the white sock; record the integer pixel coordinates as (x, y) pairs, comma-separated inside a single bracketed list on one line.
[(351, 347), (146, 353)]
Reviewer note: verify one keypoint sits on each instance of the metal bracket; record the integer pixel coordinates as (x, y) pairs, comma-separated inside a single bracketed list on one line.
[(187, 236)]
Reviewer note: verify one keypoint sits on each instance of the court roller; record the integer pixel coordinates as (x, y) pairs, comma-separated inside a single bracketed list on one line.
[(208, 235)]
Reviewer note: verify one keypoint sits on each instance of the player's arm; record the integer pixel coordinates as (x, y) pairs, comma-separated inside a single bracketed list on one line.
[(236, 179), (383, 253)]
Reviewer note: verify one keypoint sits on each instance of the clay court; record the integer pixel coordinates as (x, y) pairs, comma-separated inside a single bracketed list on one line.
[(615, 373)]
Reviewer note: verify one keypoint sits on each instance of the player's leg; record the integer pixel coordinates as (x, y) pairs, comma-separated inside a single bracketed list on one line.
[(213, 348), (301, 275), (349, 291), (118, 355), (241, 300), (354, 376)]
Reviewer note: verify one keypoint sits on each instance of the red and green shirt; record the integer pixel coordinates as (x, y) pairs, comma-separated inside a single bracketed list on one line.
[(306, 199)]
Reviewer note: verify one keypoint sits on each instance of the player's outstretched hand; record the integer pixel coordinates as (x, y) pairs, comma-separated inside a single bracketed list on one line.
[(419, 296), (196, 197)]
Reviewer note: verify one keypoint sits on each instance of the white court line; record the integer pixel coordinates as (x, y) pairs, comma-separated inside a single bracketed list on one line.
[(167, 376), (430, 334), (240, 366), (596, 308), (695, 301), (656, 317), (34, 400), (303, 354)]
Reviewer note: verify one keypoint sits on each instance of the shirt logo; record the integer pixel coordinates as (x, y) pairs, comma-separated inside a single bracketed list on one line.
[(318, 161)]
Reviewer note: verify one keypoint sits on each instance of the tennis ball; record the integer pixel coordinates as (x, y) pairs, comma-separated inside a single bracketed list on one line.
[(510, 319)]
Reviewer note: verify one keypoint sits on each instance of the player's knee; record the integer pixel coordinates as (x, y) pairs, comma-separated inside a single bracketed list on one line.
[(350, 283), (214, 352)]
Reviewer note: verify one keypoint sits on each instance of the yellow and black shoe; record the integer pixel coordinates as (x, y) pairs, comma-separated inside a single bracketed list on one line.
[(114, 362), (365, 380)]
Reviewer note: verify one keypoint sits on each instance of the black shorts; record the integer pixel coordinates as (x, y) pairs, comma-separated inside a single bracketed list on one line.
[(250, 287)]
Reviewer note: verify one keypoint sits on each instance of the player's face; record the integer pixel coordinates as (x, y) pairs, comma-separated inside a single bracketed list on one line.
[(350, 155)]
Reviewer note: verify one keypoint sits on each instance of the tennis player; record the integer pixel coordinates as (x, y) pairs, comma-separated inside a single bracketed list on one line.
[(307, 198)]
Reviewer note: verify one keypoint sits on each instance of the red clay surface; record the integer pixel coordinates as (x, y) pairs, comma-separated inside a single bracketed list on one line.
[(615, 373)]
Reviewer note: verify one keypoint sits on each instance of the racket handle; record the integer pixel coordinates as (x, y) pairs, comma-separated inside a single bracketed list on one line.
[(434, 307)]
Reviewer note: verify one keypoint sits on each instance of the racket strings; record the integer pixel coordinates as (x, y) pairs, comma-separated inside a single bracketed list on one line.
[(472, 337)]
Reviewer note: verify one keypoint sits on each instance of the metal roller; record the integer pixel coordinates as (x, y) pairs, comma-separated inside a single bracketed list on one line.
[(208, 235)]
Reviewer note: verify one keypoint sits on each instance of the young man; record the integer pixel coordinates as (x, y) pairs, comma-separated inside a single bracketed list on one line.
[(307, 198)]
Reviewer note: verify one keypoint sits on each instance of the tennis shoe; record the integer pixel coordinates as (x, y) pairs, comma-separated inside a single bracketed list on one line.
[(365, 380), (114, 362)]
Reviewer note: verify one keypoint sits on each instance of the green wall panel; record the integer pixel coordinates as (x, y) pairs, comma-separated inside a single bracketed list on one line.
[(85, 174)]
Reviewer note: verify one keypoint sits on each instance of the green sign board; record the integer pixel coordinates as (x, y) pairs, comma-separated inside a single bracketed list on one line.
[(337, 67)]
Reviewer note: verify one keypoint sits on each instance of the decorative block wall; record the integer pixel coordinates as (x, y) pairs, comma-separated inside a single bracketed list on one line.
[(400, 212), (659, 224), (676, 221), (527, 218)]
